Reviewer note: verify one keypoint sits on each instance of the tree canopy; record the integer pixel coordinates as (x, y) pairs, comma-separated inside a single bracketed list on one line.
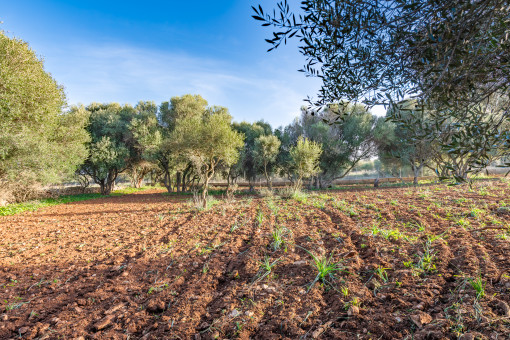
[(374, 49), (39, 143), (305, 159), (112, 147), (451, 56), (207, 139)]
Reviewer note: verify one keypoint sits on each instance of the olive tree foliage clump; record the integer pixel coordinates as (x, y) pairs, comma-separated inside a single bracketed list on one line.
[(415, 147), (207, 140), (142, 138), (422, 140), (305, 160), (246, 165), (111, 149), (345, 142), (451, 56), (265, 153), (172, 161), (39, 143)]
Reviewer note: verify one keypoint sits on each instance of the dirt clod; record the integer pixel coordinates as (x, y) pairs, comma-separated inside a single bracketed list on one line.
[(156, 306), (421, 319), (105, 322), (353, 311), (501, 307)]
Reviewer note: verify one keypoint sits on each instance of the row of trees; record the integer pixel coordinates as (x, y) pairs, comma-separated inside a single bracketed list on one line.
[(185, 142)]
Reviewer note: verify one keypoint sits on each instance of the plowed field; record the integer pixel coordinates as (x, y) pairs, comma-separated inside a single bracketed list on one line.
[(424, 263)]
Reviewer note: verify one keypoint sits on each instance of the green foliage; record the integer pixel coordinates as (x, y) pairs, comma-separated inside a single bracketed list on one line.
[(183, 107), (450, 56), (280, 236), (265, 151), (345, 142), (38, 142), (246, 164), (162, 149), (112, 148), (305, 159), (17, 208), (145, 139), (207, 140), (391, 49), (266, 267), (479, 287), (326, 268)]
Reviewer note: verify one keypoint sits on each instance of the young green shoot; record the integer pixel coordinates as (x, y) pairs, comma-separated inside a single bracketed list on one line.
[(279, 235), (326, 268), (266, 267), (479, 287)]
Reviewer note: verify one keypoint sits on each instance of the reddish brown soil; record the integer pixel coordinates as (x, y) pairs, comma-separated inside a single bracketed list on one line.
[(149, 266)]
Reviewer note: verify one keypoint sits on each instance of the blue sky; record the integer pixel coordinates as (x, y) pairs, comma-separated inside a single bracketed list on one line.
[(126, 51)]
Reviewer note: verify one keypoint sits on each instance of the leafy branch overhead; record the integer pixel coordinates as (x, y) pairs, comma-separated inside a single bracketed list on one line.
[(372, 51), (451, 56)]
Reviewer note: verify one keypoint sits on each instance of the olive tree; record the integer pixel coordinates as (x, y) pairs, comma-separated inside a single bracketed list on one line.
[(170, 113), (411, 141), (111, 149), (207, 140), (345, 142), (266, 150), (142, 138), (39, 143), (305, 159), (246, 163)]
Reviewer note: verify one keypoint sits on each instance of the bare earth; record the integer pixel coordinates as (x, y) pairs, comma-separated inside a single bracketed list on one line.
[(149, 266)]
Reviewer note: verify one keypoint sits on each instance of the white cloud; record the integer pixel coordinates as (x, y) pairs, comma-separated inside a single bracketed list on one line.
[(127, 74)]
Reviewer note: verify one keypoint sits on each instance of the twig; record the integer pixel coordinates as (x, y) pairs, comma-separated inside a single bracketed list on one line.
[(501, 274), (494, 320), (489, 227)]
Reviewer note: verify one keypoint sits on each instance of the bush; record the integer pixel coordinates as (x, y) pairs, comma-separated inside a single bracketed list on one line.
[(286, 192), (266, 192), (292, 192), (229, 195), (198, 203)]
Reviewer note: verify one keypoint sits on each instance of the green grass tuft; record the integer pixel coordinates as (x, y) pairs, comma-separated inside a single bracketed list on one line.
[(12, 209)]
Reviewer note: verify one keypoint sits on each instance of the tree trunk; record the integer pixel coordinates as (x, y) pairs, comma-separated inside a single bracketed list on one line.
[(208, 176), (298, 184), (268, 180), (139, 182), (106, 186), (102, 186), (167, 181), (250, 183), (228, 178), (178, 181), (183, 184), (416, 172), (204, 193)]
